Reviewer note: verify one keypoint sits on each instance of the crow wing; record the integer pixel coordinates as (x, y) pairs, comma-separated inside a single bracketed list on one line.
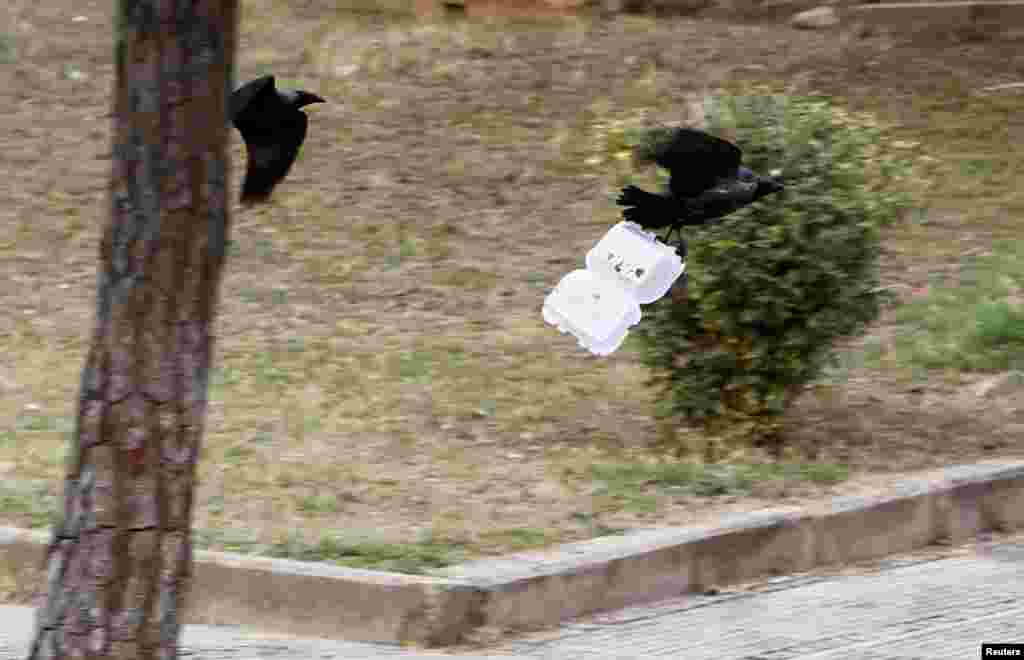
[(648, 210), (724, 197), (271, 154), (697, 160)]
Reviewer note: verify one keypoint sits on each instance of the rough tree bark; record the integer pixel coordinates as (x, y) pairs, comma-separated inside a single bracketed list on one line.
[(120, 560)]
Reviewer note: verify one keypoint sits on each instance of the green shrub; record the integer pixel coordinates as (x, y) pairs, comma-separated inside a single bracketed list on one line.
[(772, 288)]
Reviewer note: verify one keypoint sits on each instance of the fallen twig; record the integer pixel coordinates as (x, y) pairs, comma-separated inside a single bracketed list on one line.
[(1004, 86)]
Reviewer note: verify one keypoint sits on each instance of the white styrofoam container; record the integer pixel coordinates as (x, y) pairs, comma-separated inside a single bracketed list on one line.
[(626, 268)]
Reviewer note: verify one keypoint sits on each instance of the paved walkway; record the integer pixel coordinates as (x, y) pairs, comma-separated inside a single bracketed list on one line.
[(908, 609)]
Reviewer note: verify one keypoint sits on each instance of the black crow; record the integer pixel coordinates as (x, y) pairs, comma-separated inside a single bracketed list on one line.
[(706, 180), (273, 128)]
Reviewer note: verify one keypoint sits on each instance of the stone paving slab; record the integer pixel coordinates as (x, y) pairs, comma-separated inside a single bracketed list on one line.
[(938, 609), (201, 642)]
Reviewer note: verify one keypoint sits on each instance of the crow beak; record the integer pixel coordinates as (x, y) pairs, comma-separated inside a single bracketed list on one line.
[(305, 98)]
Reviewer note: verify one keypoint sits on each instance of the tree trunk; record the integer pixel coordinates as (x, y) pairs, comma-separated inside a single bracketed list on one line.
[(120, 560)]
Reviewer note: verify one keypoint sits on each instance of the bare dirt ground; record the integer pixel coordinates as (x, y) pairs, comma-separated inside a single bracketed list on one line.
[(382, 366)]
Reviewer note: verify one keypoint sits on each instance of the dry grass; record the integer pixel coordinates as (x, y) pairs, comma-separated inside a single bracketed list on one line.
[(382, 366)]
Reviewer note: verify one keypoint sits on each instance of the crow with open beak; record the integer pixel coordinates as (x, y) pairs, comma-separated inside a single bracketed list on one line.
[(273, 127)]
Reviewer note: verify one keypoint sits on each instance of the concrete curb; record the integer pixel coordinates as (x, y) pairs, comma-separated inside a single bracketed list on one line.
[(542, 588)]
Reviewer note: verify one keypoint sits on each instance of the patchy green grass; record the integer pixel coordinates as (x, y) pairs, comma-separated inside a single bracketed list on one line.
[(523, 538), (971, 319), (29, 502), (319, 504), (337, 548), (8, 51), (634, 482)]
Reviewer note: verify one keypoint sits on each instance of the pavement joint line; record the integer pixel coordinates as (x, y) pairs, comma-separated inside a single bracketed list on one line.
[(541, 589), (931, 631)]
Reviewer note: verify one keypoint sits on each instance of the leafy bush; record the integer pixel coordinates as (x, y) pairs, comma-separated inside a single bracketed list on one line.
[(773, 287)]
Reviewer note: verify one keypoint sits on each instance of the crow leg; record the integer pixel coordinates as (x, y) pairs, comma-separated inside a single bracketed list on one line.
[(673, 229)]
